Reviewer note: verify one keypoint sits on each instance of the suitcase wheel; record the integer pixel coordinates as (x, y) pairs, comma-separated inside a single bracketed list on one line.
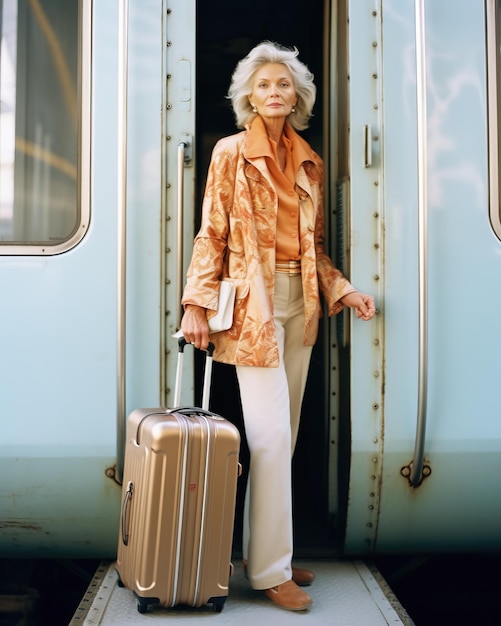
[(142, 607), (144, 603), (218, 604), (120, 583)]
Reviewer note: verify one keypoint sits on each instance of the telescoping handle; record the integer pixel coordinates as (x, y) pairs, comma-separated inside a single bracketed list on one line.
[(207, 375)]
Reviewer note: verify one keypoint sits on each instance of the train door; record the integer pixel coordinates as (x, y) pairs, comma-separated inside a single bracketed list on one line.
[(426, 438), (226, 31)]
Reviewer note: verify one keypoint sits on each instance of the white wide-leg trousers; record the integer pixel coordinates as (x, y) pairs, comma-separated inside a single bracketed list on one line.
[(271, 402)]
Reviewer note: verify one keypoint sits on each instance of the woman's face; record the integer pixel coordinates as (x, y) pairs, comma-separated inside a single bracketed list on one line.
[(273, 91)]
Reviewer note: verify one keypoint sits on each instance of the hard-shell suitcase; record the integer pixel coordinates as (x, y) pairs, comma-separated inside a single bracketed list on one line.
[(178, 503)]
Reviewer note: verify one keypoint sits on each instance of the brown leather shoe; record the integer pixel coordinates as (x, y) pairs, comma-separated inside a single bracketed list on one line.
[(302, 577), (289, 596)]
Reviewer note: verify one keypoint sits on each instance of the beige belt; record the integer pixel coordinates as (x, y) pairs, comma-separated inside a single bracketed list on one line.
[(289, 267)]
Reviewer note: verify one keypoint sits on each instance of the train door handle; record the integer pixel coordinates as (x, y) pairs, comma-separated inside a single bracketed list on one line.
[(368, 145), (184, 158)]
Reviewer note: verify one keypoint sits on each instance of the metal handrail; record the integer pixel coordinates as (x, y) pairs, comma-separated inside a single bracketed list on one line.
[(122, 232), (491, 18), (181, 153), (416, 476)]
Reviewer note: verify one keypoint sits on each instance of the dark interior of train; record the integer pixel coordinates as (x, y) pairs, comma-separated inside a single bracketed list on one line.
[(226, 32)]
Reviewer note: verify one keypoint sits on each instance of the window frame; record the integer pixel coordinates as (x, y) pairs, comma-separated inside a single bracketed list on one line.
[(84, 151)]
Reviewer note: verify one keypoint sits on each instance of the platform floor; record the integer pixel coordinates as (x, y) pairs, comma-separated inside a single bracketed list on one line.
[(345, 593)]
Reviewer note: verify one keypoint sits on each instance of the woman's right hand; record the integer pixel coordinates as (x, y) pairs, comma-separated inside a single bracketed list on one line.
[(195, 327)]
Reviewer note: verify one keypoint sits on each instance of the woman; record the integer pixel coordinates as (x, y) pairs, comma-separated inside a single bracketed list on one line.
[(263, 229)]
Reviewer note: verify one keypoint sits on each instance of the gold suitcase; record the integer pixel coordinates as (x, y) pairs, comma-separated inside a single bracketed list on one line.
[(178, 503)]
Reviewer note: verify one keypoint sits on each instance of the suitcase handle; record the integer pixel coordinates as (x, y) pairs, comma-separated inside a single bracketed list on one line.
[(207, 375), (125, 506), (182, 343), (189, 410)]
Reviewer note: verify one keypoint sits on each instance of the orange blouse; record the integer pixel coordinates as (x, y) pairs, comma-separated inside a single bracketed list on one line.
[(259, 144)]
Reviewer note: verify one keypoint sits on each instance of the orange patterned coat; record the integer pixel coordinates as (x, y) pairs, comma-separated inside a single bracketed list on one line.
[(237, 240)]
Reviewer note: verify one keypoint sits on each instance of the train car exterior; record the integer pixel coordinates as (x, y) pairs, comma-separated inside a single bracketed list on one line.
[(109, 112), (434, 190)]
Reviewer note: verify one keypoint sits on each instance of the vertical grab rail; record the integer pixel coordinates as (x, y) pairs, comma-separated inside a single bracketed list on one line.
[(122, 231), (181, 156), (416, 475)]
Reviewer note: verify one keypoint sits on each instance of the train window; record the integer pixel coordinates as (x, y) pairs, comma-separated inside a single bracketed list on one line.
[(493, 28), (44, 125)]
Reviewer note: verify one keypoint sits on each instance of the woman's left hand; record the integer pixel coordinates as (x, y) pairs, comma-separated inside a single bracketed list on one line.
[(361, 303)]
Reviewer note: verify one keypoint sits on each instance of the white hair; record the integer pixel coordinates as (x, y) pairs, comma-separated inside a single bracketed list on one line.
[(241, 83)]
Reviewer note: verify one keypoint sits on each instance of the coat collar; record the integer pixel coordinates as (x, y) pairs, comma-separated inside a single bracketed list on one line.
[(257, 148), (258, 144)]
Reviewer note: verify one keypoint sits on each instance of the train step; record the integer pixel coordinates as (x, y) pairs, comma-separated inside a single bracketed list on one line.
[(345, 593)]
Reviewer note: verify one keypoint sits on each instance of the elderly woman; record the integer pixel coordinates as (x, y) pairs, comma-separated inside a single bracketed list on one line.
[(263, 229)]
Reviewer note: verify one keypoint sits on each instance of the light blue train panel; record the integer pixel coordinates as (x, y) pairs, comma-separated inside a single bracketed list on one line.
[(458, 506), (58, 331)]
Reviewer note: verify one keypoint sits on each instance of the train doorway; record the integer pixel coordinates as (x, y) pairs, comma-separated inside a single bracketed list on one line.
[(226, 31)]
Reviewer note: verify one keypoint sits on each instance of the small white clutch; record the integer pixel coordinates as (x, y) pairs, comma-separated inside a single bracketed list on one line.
[(224, 316)]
